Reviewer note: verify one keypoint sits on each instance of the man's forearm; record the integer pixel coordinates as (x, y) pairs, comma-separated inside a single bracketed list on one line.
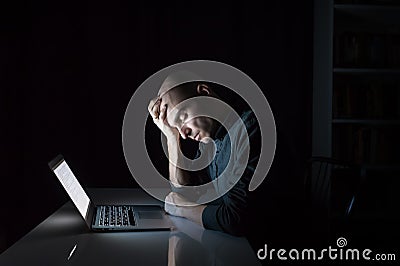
[(193, 213), (180, 177), (177, 205), (177, 175)]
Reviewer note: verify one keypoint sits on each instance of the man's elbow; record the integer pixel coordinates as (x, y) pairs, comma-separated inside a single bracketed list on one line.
[(235, 227), (236, 232)]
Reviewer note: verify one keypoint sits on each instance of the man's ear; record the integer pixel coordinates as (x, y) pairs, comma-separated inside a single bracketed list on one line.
[(203, 89)]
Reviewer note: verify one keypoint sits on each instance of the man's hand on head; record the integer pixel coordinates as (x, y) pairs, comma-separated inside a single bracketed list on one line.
[(158, 111)]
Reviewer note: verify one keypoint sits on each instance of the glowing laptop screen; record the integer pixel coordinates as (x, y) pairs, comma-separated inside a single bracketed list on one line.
[(73, 188)]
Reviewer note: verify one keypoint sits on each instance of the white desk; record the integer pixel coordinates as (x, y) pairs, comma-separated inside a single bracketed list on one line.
[(51, 242)]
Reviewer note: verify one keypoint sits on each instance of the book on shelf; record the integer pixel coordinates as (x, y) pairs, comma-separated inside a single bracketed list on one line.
[(368, 2), (372, 146), (374, 100), (365, 49), (393, 50), (366, 99)]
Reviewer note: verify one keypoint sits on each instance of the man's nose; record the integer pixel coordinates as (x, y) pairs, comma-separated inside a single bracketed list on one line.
[(184, 131)]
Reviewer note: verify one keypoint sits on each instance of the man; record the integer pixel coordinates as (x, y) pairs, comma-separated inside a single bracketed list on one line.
[(230, 213)]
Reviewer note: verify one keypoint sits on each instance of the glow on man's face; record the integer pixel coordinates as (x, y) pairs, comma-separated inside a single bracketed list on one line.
[(185, 119)]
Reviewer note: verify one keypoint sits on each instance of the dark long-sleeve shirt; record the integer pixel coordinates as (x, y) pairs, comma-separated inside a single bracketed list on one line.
[(229, 213)]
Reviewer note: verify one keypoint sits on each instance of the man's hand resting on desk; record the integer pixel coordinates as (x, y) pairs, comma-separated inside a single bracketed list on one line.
[(177, 205)]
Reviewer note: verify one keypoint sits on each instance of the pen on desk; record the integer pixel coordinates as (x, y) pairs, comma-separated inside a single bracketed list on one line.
[(72, 252)]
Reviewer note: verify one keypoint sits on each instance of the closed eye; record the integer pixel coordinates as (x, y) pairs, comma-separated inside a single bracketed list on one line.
[(180, 118)]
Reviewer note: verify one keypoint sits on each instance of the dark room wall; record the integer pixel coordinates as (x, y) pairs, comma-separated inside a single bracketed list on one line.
[(68, 71)]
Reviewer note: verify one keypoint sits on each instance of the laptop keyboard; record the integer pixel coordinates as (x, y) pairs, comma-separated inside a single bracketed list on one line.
[(117, 216)]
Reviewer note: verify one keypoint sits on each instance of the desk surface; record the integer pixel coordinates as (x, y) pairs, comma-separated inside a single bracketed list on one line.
[(52, 241)]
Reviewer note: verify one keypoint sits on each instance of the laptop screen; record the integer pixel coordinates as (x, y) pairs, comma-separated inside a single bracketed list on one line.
[(73, 188)]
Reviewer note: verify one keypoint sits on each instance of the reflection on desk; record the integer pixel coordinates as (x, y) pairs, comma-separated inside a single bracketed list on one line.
[(64, 239), (192, 245)]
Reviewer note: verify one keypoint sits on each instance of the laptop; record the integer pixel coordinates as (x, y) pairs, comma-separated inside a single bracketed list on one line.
[(108, 217)]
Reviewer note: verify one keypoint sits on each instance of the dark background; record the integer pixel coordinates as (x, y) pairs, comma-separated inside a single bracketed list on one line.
[(68, 71)]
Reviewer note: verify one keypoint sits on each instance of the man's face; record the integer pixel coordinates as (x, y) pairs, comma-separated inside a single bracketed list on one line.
[(185, 117)]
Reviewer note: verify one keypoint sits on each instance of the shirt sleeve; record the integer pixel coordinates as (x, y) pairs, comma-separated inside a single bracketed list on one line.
[(230, 213), (202, 176)]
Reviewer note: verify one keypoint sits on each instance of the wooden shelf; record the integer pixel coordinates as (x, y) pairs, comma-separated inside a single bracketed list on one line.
[(392, 9), (368, 71), (367, 17), (386, 167), (382, 122)]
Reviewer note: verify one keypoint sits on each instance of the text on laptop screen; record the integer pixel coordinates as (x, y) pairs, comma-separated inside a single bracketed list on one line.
[(73, 188)]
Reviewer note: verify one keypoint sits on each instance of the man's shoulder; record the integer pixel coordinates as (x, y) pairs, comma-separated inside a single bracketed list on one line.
[(249, 119)]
